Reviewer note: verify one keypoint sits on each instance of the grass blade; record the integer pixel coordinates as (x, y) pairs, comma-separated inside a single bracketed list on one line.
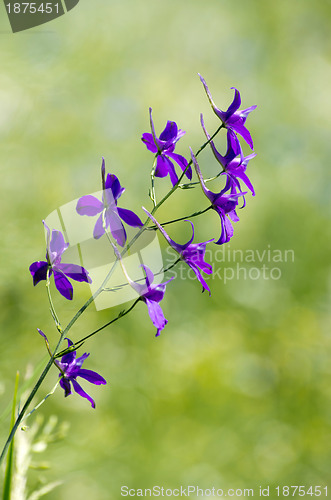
[(9, 465)]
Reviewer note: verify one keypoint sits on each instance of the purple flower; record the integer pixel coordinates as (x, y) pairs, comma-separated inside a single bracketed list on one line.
[(233, 119), (110, 214), (223, 203), (70, 368), (152, 295), (192, 253), (55, 247), (164, 147), (233, 166)]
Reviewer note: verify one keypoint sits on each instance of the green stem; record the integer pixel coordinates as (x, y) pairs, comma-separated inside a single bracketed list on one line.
[(53, 312), (152, 192), (193, 184), (195, 214)]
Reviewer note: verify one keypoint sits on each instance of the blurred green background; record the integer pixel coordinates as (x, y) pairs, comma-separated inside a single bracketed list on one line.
[(236, 391)]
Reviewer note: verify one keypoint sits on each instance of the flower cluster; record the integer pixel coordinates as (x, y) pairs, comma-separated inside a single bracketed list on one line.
[(111, 220)]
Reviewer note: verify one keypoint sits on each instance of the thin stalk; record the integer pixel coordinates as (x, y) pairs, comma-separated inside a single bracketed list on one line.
[(195, 214), (42, 401), (53, 312), (162, 271), (190, 185), (152, 193)]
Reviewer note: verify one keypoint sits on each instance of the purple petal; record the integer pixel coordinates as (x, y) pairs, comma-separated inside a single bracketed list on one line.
[(172, 171), (161, 169), (164, 166), (65, 384), (116, 227), (237, 126), (199, 276), (182, 162), (246, 180), (149, 276), (233, 147), (82, 393), (156, 314), (235, 103), (89, 205), (233, 216), (156, 292), (75, 272), (78, 363), (38, 271), (147, 138), (63, 285), (169, 134), (57, 244), (129, 217), (245, 112), (195, 254), (108, 198), (226, 230), (98, 230), (113, 183), (91, 376)]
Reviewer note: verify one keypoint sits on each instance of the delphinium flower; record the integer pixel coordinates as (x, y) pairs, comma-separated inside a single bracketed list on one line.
[(55, 247), (234, 163), (164, 146), (71, 368), (233, 118), (191, 253), (224, 203), (152, 296), (110, 214)]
